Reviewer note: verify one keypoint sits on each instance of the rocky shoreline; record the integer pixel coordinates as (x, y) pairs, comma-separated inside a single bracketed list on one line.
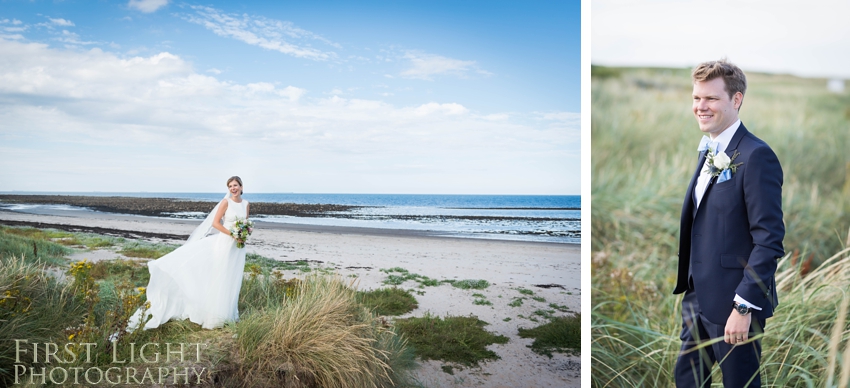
[(164, 207)]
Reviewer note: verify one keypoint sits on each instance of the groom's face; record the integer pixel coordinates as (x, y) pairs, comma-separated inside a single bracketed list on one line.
[(713, 108)]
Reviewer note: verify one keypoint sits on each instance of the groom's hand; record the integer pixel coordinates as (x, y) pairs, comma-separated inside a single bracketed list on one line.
[(737, 328)]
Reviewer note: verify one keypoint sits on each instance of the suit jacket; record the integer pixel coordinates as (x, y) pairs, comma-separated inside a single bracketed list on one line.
[(730, 244)]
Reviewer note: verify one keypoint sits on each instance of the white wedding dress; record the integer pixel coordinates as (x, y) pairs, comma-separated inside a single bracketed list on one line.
[(199, 280)]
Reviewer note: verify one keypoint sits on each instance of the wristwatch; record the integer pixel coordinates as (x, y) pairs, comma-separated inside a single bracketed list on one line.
[(741, 308)]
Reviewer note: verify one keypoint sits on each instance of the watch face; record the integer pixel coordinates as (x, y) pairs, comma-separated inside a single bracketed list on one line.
[(743, 309)]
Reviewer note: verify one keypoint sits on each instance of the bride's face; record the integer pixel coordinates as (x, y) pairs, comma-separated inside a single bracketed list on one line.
[(234, 187)]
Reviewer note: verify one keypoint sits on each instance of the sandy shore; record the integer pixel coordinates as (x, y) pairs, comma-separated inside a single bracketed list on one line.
[(507, 265)]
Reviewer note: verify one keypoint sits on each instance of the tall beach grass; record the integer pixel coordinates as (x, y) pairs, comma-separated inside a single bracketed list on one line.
[(643, 144)]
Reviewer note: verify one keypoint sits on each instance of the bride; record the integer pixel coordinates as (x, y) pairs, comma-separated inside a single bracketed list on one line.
[(201, 279)]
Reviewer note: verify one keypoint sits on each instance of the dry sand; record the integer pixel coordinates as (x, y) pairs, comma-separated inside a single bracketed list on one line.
[(507, 265)]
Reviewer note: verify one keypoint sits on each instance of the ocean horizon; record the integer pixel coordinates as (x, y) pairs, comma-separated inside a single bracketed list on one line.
[(545, 218)]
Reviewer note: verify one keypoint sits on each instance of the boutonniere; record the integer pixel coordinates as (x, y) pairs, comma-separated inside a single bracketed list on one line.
[(720, 165)]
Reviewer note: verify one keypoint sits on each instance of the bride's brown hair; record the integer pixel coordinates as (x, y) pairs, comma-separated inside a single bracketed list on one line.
[(237, 179)]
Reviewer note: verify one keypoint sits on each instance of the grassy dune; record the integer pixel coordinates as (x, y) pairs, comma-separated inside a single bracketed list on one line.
[(643, 143)]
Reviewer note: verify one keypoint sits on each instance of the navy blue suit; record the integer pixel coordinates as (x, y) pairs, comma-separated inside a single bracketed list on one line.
[(727, 246)]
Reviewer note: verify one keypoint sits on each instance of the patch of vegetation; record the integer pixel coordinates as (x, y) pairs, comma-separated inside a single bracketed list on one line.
[(560, 334), (134, 272), (448, 369), (146, 250), (466, 284), (525, 291), (482, 302), (388, 301), (479, 295), (559, 307), (516, 302), (507, 319), (544, 313), (397, 276), (33, 306), (539, 299), (30, 245), (267, 265), (461, 340)]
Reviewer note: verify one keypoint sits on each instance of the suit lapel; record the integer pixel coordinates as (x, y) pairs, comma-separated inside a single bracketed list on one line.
[(690, 202), (729, 151)]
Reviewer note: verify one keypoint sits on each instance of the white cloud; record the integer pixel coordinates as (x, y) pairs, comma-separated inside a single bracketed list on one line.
[(262, 32), (214, 71), (147, 6), (72, 38), (433, 107), (424, 66), (61, 22), (137, 121)]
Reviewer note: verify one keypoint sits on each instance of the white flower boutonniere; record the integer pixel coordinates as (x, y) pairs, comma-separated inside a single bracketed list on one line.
[(720, 165)]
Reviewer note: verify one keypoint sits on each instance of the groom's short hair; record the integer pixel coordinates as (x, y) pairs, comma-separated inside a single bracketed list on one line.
[(732, 75)]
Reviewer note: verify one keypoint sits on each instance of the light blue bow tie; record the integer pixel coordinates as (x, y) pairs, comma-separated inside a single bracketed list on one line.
[(705, 144)]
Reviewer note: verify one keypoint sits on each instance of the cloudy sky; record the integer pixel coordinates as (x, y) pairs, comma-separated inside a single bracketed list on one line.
[(810, 39), (310, 97)]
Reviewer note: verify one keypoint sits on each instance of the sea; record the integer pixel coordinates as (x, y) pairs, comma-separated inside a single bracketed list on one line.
[(544, 218)]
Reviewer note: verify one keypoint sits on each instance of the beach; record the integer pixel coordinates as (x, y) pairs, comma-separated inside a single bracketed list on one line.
[(550, 270)]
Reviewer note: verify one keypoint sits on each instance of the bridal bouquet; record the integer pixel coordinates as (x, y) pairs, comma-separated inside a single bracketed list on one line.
[(240, 231)]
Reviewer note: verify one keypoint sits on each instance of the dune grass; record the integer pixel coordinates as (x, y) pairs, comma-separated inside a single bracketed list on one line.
[(643, 138), (320, 337), (33, 306), (31, 245)]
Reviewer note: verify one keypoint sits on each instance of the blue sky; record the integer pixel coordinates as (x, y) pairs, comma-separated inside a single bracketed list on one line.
[(346, 97)]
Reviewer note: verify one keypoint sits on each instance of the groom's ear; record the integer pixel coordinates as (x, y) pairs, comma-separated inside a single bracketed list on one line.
[(738, 100)]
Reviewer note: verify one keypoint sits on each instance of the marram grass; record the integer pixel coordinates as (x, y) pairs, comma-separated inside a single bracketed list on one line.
[(320, 337)]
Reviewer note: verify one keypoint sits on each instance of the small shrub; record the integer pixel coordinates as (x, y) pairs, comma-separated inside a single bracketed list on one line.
[(561, 334), (539, 299), (482, 302), (525, 291), (388, 301), (516, 302)]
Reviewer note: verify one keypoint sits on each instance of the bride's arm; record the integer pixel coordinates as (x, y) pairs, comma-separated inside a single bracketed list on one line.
[(217, 219), (247, 210)]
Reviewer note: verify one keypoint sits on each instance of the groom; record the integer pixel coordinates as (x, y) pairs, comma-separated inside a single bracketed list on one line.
[(730, 237)]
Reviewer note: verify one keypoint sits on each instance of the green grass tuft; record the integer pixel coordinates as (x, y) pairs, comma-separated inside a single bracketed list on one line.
[(561, 334), (466, 284), (525, 291), (462, 340)]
